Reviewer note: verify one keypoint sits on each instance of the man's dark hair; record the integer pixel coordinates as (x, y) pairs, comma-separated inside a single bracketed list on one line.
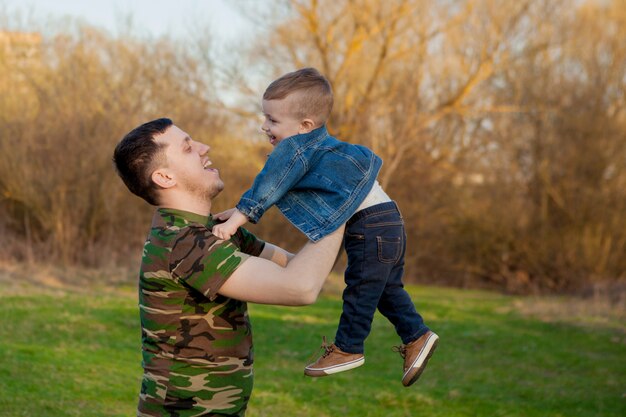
[(138, 155)]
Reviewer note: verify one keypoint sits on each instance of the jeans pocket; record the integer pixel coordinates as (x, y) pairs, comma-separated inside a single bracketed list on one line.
[(389, 249), (357, 236)]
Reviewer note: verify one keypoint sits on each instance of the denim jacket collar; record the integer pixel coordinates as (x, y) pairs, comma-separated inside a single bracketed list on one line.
[(304, 140)]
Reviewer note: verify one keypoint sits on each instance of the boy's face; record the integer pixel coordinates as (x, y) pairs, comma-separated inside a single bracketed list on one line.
[(280, 123)]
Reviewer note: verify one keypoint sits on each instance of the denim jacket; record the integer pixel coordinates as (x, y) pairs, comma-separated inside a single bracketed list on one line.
[(315, 180)]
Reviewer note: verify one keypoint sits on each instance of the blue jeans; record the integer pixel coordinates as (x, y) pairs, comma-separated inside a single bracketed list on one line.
[(375, 242)]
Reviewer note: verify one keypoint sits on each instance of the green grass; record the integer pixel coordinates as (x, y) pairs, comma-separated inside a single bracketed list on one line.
[(76, 353)]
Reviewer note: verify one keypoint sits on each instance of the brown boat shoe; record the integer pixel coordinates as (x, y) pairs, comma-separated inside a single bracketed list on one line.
[(416, 355), (333, 360)]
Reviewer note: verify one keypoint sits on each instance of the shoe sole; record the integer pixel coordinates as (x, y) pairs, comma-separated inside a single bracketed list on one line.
[(419, 364), (316, 372)]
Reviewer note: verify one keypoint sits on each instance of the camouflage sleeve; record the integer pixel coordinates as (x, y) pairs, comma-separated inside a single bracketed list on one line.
[(248, 242), (202, 261)]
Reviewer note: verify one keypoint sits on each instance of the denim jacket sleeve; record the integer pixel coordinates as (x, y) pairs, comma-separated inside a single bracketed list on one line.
[(283, 169)]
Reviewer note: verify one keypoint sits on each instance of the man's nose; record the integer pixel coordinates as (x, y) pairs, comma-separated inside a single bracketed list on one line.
[(203, 148)]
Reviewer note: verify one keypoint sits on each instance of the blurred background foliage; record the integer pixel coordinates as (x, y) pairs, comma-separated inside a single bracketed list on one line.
[(502, 126)]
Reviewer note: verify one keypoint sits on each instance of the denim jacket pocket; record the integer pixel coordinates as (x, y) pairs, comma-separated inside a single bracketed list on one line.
[(389, 249)]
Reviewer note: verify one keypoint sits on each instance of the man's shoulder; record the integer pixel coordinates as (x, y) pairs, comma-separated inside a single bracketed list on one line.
[(169, 228), (167, 233)]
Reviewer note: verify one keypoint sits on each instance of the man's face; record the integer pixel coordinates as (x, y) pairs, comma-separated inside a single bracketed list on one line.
[(279, 120), (188, 163)]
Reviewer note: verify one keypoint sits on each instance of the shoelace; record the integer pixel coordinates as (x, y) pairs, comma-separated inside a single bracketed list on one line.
[(400, 349), (327, 348)]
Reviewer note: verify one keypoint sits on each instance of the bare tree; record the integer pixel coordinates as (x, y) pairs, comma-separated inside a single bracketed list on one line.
[(473, 90), (62, 112)]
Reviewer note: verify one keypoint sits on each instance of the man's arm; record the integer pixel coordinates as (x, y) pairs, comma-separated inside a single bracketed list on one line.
[(262, 281), (276, 254)]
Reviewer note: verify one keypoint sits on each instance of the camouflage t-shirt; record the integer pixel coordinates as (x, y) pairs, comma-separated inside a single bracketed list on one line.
[(197, 344)]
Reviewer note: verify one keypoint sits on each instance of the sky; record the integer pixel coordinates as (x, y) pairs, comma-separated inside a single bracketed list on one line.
[(149, 17), (152, 18)]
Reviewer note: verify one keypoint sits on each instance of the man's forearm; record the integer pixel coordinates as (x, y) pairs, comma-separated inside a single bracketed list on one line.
[(314, 262), (299, 283), (276, 254)]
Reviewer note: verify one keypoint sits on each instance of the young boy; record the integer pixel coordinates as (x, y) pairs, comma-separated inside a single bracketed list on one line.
[(319, 183)]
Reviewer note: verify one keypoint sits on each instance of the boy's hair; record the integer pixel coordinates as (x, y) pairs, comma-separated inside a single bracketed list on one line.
[(138, 155), (315, 98)]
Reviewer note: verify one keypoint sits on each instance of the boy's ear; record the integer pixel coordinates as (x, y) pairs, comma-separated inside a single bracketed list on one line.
[(306, 126), (163, 178)]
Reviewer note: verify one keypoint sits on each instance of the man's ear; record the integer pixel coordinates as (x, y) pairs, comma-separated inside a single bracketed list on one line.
[(306, 126), (163, 178)]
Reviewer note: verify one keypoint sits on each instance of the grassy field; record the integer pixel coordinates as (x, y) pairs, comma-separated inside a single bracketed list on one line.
[(75, 352)]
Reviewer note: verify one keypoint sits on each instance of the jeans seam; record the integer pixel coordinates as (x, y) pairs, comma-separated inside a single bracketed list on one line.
[(383, 224), (379, 213)]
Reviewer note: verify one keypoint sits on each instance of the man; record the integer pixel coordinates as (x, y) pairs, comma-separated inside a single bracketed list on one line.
[(193, 287)]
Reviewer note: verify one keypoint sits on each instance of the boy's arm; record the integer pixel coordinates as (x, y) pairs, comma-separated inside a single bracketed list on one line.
[(283, 169), (299, 283), (225, 230), (224, 215)]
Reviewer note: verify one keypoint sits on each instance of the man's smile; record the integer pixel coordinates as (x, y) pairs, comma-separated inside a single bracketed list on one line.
[(206, 165)]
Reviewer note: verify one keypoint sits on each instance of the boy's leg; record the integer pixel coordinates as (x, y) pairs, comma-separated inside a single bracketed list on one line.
[(369, 266), (366, 278), (396, 305)]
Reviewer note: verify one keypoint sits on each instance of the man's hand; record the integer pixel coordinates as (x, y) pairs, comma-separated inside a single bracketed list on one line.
[(225, 230)]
